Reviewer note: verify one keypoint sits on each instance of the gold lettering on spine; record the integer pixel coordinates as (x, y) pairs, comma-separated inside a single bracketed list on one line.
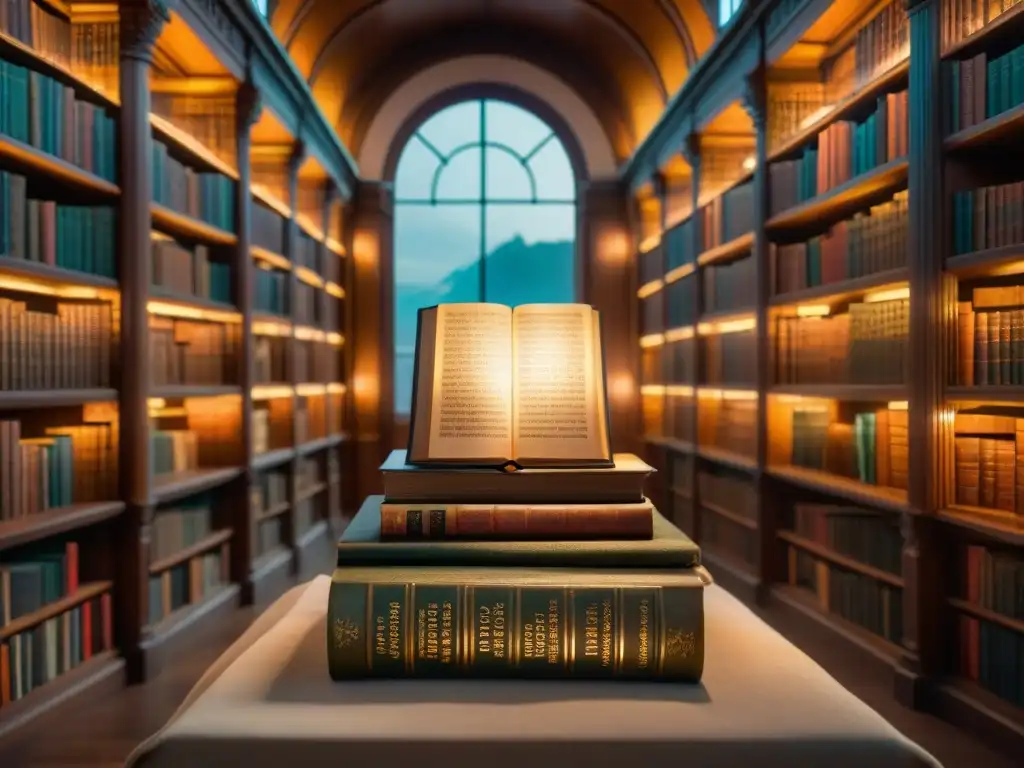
[(607, 624), (591, 620), (644, 637), (555, 640), (372, 636), (661, 630), (448, 635)]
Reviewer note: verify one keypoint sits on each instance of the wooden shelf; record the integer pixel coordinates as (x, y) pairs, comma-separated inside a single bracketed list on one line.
[(184, 391), (867, 93), (990, 524), (53, 398), (728, 514), (83, 594), (996, 129), (968, 705), (841, 487), (303, 494), (271, 258), (727, 458), (184, 226), (985, 614), (275, 511), (844, 290), (845, 199), (168, 134), (857, 393), (15, 51), (24, 530), (186, 624), (1009, 395), (28, 159), (45, 273), (727, 250), (671, 444), (271, 459), (103, 671), (320, 444), (201, 547), (193, 302), (985, 262), (179, 485), (836, 558), (1006, 24)]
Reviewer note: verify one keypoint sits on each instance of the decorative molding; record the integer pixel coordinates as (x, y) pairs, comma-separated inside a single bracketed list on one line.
[(249, 104), (755, 98), (221, 24), (141, 22)]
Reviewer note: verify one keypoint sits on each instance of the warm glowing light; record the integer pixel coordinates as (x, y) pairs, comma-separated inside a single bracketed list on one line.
[(188, 141), (335, 339), (709, 394), (679, 273), (311, 228), (816, 115), (46, 289), (679, 334), (621, 387), (650, 243), (789, 399), (307, 333), (737, 325), (310, 390), (309, 277), (269, 199), (366, 248), (271, 258), (652, 340), (649, 289), (271, 328), (613, 247), (749, 163), (738, 394), (899, 405), (271, 392), (187, 312), (653, 390), (893, 294), (336, 388), (813, 310), (334, 245), (335, 290), (679, 390), (168, 413), (156, 403)]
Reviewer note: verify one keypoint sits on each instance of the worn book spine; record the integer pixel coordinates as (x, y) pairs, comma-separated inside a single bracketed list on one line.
[(516, 521), (488, 630)]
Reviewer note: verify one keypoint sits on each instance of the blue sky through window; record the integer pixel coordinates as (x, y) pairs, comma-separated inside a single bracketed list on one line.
[(485, 210)]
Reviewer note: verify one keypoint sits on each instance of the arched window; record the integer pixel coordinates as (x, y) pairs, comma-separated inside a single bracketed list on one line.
[(485, 210)]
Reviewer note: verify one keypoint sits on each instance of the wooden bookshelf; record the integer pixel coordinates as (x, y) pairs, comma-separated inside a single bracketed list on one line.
[(147, 437), (854, 523)]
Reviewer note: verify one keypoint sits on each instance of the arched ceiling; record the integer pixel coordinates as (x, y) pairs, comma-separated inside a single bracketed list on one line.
[(625, 58)]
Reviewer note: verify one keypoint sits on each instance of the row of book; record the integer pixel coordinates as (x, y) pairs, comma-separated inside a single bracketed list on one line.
[(307, 252), (267, 228), (189, 352), (992, 654), (271, 291), (41, 576), (962, 18), (988, 217), (187, 583), (272, 425), (50, 343), (651, 264), (681, 296), (730, 287), (270, 490), (315, 416), (729, 359), (845, 149), (75, 237), (670, 363), (679, 246), (983, 86), (868, 344), (317, 361), (58, 467), (308, 309), (180, 527), (880, 45), (729, 424), (267, 535), (41, 112), (728, 216), (173, 451), (190, 272), (870, 446), (860, 599), (728, 489), (270, 359), (867, 536), (209, 197), (990, 346), (986, 472), (723, 536)]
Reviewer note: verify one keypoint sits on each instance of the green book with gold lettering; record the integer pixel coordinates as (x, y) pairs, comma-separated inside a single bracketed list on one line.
[(516, 622), (361, 544)]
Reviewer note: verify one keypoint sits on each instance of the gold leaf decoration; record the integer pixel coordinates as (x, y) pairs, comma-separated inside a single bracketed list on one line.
[(345, 633), (680, 644)]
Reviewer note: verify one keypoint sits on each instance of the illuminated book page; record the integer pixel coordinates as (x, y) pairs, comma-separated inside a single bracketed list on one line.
[(558, 385), (471, 413)]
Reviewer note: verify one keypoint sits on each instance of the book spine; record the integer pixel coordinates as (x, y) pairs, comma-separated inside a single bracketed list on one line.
[(476, 630), (448, 521)]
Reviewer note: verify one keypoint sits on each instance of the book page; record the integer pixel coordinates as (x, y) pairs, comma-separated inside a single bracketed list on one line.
[(558, 384), (472, 393)]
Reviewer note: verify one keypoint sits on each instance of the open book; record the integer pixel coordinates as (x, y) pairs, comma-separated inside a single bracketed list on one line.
[(497, 386)]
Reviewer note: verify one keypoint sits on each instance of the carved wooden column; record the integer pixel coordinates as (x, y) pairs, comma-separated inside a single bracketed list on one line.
[(290, 535), (248, 107), (929, 332), (372, 386), (140, 25), (606, 282), (691, 153)]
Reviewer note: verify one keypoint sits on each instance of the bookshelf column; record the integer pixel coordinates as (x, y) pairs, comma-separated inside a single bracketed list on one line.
[(330, 199), (140, 24), (691, 153), (291, 244), (928, 337), (248, 107), (606, 284)]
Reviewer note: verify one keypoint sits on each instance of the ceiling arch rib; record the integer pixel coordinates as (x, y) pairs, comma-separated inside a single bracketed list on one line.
[(641, 50)]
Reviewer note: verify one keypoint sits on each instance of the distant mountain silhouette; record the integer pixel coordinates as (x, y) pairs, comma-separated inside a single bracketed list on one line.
[(517, 273)]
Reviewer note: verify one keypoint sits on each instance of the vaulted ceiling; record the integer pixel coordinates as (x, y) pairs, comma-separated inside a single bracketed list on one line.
[(625, 58)]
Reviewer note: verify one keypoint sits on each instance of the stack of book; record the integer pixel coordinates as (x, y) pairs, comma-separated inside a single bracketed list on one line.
[(510, 542)]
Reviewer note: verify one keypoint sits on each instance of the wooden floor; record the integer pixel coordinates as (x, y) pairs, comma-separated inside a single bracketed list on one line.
[(101, 734)]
